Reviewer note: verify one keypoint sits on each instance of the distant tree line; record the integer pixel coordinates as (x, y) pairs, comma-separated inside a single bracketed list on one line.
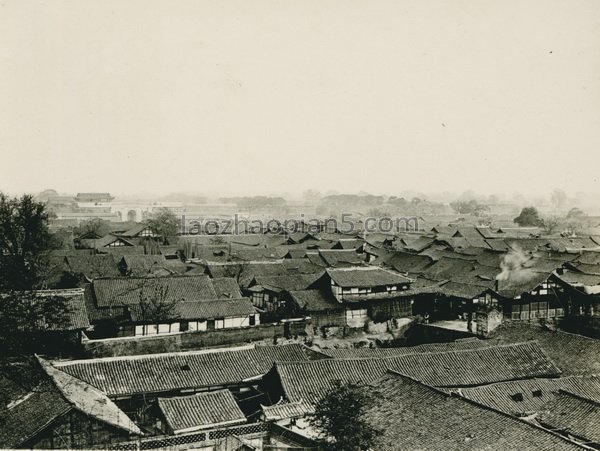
[(256, 202)]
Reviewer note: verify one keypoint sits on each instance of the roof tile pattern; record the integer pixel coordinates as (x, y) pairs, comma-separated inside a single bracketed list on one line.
[(411, 415), (201, 411), (158, 373)]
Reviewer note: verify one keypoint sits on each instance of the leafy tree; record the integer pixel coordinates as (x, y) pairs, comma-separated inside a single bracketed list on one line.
[(24, 241), (164, 223), (469, 207), (236, 270), (529, 217), (155, 304), (25, 318), (95, 226), (550, 225), (340, 415)]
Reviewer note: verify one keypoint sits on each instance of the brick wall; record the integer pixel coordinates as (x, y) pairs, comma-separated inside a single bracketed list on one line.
[(186, 341)]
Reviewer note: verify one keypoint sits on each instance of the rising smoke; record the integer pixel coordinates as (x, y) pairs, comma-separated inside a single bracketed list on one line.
[(513, 267)]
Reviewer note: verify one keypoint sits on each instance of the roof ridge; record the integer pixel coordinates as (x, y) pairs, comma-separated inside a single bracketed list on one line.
[(245, 347), (62, 363), (457, 395)]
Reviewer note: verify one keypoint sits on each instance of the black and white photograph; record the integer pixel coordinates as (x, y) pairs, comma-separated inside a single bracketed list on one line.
[(300, 225)]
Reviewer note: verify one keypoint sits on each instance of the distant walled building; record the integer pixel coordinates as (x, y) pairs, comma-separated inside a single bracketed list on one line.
[(94, 202)]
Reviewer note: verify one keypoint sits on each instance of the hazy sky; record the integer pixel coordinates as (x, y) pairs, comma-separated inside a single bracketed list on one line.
[(277, 96)]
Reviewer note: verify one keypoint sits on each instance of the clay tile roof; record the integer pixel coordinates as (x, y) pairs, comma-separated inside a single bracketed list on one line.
[(201, 411), (156, 373), (284, 410), (365, 277), (577, 416), (314, 300), (525, 397), (126, 291), (75, 316), (89, 400), (206, 309), (411, 415), (93, 266), (309, 381)]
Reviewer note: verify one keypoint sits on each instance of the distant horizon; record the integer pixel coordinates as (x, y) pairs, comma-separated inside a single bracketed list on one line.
[(515, 199)]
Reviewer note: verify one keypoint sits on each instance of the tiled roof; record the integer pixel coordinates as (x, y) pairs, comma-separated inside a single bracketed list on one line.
[(309, 381), (477, 366), (497, 245), (411, 415), (134, 231), (105, 241), (447, 268), (29, 401), (119, 252), (30, 414), (525, 397), (89, 400), (246, 271), (365, 277), (158, 373), (590, 257), (314, 300), (75, 316), (142, 265), (98, 196), (301, 266), (365, 353), (527, 282), (578, 279), (349, 243), (284, 410), (587, 268), (252, 254), (287, 283), (226, 287), (126, 291), (408, 263), (33, 395), (340, 257), (293, 253), (574, 354), (93, 266), (201, 411), (573, 415), (206, 309), (414, 244), (464, 290)]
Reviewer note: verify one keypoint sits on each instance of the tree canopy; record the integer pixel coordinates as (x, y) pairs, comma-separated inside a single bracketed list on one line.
[(340, 415), (471, 207), (25, 318), (164, 223), (24, 240), (529, 217)]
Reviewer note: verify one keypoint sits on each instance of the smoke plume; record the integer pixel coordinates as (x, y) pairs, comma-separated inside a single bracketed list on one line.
[(513, 267)]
